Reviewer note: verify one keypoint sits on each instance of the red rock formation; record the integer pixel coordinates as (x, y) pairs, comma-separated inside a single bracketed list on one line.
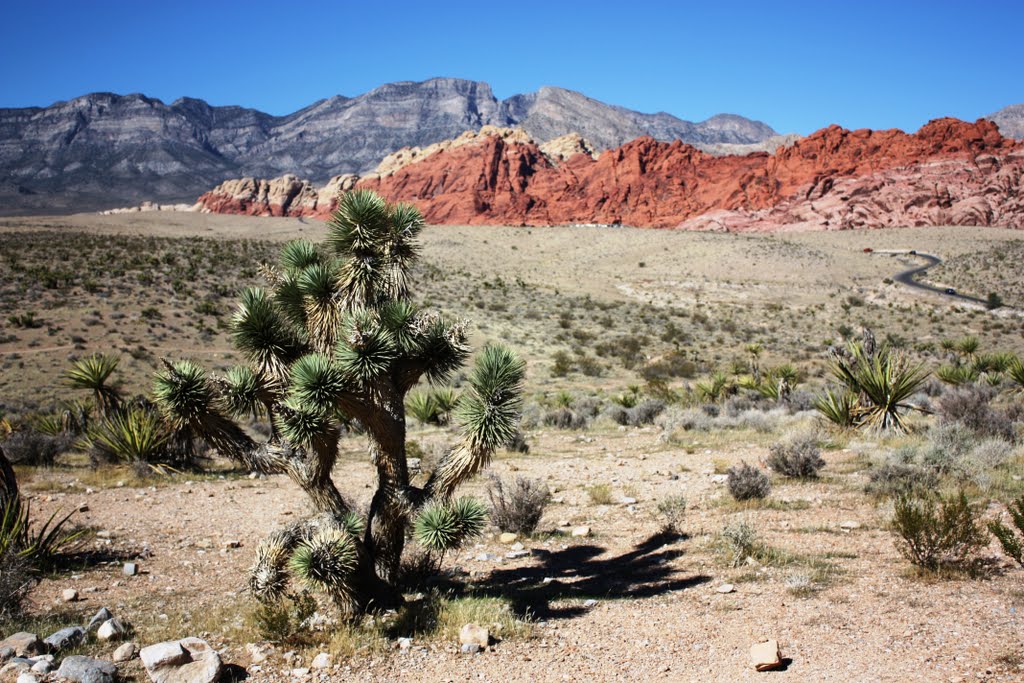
[(948, 172)]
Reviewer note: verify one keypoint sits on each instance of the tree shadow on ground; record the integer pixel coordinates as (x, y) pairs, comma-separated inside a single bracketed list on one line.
[(583, 571)]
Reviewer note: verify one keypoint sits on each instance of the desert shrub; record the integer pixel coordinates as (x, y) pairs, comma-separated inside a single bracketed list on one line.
[(565, 418), (643, 413), (280, 620), (518, 443), (1012, 542), (133, 435), (971, 406), (677, 419), (740, 539), (671, 511), (899, 479), (797, 456), (754, 420), (933, 530), (746, 482), (672, 365), (600, 494), (30, 447), (16, 580), (519, 506)]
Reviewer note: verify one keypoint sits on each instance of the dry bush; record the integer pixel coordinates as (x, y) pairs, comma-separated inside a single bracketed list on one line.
[(747, 482), (971, 405), (29, 447), (519, 506), (797, 456), (932, 531)]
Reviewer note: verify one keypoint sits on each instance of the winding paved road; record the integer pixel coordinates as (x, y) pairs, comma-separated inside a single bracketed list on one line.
[(907, 278)]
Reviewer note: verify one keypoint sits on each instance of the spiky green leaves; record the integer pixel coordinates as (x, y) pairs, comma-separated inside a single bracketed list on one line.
[(375, 242), (184, 394), (304, 424), (244, 392), (298, 255), (262, 332), (93, 374), (365, 350), (446, 526), (325, 561), (489, 410), (317, 382)]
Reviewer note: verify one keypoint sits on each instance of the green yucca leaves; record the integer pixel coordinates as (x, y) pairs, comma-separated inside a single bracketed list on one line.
[(1016, 372), (298, 255), (93, 374), (301, 423), (317, 382), (365, 350), (714, 388), (423, 406), (243, 392), (957, 375), (489, 411), (261, 332), (838, 407), (183, 392), (446, 526), (326, 561), (132, 435)]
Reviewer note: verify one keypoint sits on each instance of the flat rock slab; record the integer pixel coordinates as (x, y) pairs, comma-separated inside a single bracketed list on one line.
[(81, 669), (766, 656), (190, 660), (65, 638)]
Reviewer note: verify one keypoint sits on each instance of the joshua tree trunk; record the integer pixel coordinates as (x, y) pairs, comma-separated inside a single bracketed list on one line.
[(8, 482)]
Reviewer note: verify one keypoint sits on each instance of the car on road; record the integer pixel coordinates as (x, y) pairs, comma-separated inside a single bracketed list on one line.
[(949, 290), (912, 252)]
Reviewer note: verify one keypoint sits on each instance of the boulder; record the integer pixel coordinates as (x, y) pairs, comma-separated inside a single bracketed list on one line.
[(508, 538), (98, 619), (189, 660), (82, 669), (321, 661), (65, 638), (69, 595), (24, 644), (766, 656), (111, 629), (125, 652), (474, 634)]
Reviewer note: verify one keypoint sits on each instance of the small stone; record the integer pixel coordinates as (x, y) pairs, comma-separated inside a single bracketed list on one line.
[(27, 677), (130, 569), (849, 525), (321, 661), (590, 603), (516, 546), (469, 648), (65, 638), (43, 666), (231, 545), (474, 634), (6, 653), (82, 669), (300, 672), (24, 644), (726, 588), (125, 652), (257, 654), (581, 531), (111, 629), (628, 500), (766, 656), (97, 620), (508, 538), (69, 595), (719, 478), (516, 554), (404, 644)]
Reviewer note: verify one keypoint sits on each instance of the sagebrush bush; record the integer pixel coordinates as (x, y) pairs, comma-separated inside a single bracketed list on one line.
[(797, 456), (740, 539), (933, 530), (518, 506), (32, 448), (896, 478), (643, 413), (565, 418), (747, 482), (672, 510), (971, 406)]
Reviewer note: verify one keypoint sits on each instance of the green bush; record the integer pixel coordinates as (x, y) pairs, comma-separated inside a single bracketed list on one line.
[(933, 530), (1012, 542)]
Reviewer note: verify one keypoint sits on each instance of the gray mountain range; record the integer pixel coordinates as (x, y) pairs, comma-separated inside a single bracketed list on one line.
[(1010, 121), (102, 150)]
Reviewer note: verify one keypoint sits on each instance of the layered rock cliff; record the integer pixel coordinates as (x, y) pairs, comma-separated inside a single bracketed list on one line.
[(950, 171), (104, 150)]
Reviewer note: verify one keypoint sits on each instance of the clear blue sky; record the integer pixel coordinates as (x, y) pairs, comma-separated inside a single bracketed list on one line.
[(795, 65)]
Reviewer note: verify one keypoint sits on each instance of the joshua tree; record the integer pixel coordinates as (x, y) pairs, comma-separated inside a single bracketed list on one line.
[(335, 340)]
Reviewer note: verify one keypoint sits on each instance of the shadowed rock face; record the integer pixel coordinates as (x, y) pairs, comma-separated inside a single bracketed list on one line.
[(104, 150), (949, 172)]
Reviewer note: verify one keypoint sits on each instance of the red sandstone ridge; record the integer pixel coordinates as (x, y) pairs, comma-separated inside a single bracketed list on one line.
[(950, 171)]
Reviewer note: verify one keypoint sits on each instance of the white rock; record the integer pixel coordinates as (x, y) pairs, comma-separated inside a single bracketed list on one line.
[(189, 660), (628, 500), (69, 595), (849, 525), (765, 656), (581, 531), (111, 629), (300, 672), (726, 588), (507, 538), (125, 652), (474, 634), (321, 661)]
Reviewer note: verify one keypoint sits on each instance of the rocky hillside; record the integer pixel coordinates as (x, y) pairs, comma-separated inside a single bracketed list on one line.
[(1010, 121), (949, 172), (104, 150)]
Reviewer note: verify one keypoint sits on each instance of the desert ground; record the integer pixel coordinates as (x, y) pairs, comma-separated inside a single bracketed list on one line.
[(597, 313)]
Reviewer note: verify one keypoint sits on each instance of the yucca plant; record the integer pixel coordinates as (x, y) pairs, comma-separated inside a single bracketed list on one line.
[(93, 374), (714, 388), (132, 435), (335, 338), (878, 383), (957, 375), (423, 406), (1015, 371)]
